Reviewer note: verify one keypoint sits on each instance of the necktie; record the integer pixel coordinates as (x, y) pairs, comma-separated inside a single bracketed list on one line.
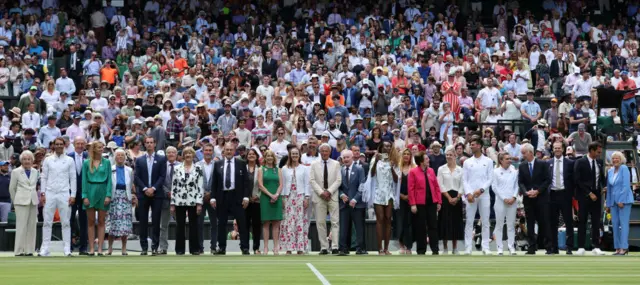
[(593, 172), (227, 176), (557, 174), (347, 174), (531, 169), (326, 176), (171, 172)]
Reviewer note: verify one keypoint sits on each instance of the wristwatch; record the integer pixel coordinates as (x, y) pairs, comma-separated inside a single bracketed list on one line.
[(42, 194)]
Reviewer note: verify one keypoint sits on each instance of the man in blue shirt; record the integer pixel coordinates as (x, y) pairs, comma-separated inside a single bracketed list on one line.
[(424, 70)]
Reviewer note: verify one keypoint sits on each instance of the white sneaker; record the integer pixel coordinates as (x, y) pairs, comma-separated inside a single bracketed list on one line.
[(44, 253), (512, 252), (597, 251), (499, 251), (455, 252), (445, 252), (467, 252), (580, 251), (487, 252)]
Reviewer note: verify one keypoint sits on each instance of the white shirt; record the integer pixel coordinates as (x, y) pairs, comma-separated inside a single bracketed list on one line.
[(583, 87), (279, 148), (224, 174), (99, 104), (477, 174), (208, 167), (58, 174), (514, 151), (559, 183), (31, 120), (74, 131), (504, 183), (307, 160), (51, 98), (78, 162), (489, 97), (267, 91)]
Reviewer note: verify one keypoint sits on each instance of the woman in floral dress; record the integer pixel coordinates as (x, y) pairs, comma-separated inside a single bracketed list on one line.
[(294, 231), (119, 219), (384, 193)]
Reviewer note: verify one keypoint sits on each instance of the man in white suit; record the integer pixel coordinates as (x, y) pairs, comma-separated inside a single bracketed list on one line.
[(325, 180), (58, 184)]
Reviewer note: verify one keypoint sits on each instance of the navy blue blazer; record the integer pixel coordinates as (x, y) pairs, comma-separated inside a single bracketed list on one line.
[(356, 178), (158, 173), (567, 174), (78, 173)]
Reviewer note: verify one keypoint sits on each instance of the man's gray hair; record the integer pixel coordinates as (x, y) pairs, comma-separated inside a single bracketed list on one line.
[(527, 147), (325, 145)]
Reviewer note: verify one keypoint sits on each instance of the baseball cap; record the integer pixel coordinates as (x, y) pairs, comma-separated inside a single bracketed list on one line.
[(3, 163), (33, 88)]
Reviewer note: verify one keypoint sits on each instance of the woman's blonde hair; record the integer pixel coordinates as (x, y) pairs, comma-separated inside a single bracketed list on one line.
[(92, 149), (267, 154), (188, 150), (400, 160)]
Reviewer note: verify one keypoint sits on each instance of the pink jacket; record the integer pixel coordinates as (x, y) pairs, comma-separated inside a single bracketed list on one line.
[(417, 186)]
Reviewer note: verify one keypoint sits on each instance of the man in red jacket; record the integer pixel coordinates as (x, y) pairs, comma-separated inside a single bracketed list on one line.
[(425, 200)]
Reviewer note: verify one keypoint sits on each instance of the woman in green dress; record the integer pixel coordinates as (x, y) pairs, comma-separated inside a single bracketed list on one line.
[(269, 178), (96, 192)]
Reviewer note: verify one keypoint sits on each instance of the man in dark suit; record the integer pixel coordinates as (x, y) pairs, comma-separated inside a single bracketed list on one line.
[(539, 132), (589, 175), (352, 209), (230, 194), (74, 66), (79, 228), (252, 29), (269, 66), (360, 160), (207, 165), (561, 192), (151, 170), (557, 71), (533, 180)]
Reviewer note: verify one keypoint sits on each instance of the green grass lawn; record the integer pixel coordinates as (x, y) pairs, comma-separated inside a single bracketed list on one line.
[(388, 270)]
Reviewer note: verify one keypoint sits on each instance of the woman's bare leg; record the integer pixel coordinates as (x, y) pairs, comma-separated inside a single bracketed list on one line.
[(101, 218), (265, 236), (91, 229)]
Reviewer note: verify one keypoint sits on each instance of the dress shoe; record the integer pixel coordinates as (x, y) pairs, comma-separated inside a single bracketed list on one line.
[(213, 252), (531, 252), (549, 252), (343, 253), (195, 253), (179, 253), (324, 252), (569, 252), (361, 252), (162, 252), (144, 252), (421, 253), (21, 254), (29, 254), (245, 252), (154, 252), (221, 252), (335, 251), (435, 253), (581, 251), (83, 253)]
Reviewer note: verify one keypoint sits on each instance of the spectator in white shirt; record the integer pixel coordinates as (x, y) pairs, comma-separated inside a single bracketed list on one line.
[(31, 119), (98, 104), (279, 146), (50, 95), (583, 86), (65, 84), (75, 131)]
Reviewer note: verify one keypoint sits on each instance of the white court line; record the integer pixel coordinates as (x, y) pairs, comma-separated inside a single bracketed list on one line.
[(315, 271), (489, 275)]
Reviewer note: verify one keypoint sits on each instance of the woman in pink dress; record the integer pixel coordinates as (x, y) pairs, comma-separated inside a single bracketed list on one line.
[(294, 230)]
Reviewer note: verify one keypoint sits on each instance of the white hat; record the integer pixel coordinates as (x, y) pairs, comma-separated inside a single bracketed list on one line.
[(137, 122)]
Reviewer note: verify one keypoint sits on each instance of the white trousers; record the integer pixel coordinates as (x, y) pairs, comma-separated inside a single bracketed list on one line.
[(321, 208), (503, 210), (26, 224), (56, 201), (483, 205)]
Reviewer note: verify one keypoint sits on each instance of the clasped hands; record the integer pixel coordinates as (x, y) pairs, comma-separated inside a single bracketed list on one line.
[(471, 197), (345, 199)]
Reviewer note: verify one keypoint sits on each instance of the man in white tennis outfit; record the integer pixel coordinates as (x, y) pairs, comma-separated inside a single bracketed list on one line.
[(476, 178), (58, 190)]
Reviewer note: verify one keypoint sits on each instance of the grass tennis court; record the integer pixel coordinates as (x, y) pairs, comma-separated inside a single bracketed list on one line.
[(388, 270)]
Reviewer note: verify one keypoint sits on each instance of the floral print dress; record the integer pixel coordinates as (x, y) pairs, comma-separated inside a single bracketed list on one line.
[(384, 183), (294, 230), (119, 220)]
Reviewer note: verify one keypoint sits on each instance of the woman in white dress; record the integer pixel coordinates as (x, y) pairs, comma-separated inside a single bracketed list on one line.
[(446, 118), (504, 185), (384, 193), (521, 76), (511, 107)]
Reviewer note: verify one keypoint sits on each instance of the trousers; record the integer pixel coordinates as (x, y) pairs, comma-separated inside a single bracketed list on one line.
[(620, 220), (26, 223), (321, 208), (503, 210), (165, 218), (5, 208), (56, 201), (213, 226), (483, 205)]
